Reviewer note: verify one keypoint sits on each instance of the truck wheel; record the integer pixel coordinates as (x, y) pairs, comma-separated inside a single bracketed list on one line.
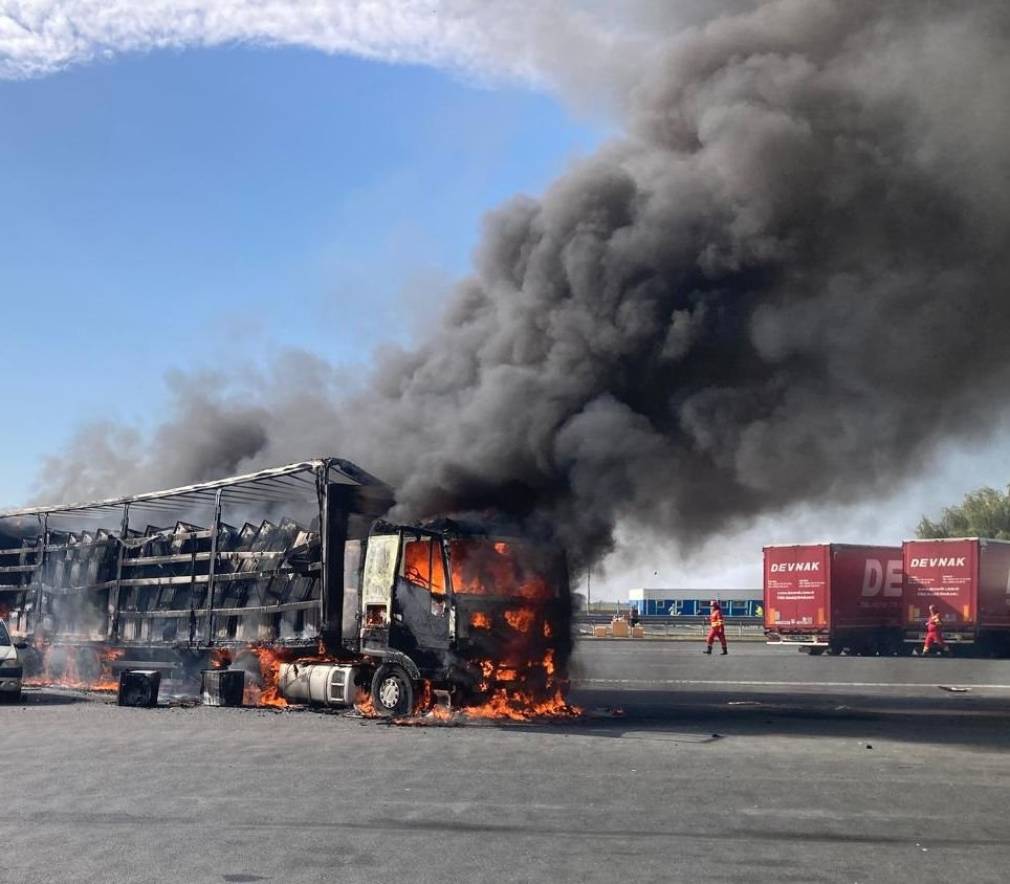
[(392, 691), (10, 696)]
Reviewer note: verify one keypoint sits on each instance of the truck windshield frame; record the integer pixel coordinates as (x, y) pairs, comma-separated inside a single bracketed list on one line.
[(424, 565)]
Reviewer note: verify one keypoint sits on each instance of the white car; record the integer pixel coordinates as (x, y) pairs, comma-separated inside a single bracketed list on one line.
[(10, 668)]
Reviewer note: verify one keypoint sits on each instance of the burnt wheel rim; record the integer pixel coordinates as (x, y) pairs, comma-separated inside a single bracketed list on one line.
[(390, 692)]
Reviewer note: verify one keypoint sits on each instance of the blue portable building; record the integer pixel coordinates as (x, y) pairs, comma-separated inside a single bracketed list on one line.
[(660, 602)]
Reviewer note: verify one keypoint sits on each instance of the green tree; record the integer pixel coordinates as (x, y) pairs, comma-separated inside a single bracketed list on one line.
[(982, 513)]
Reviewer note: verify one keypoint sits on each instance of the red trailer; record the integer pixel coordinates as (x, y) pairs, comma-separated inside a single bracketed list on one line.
[(834, 596), (968, 579)]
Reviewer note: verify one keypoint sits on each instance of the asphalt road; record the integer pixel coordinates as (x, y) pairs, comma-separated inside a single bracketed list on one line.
[(763, 765)]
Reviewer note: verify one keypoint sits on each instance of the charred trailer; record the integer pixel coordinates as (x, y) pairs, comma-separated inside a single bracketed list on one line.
[(167, 579), (968, 581), (833, 597), (289, 565)]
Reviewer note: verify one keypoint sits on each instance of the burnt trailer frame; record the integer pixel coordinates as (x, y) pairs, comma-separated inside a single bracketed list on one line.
[(346, 499)]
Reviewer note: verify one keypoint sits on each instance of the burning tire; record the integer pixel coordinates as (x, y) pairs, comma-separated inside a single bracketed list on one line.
[(392, 691)]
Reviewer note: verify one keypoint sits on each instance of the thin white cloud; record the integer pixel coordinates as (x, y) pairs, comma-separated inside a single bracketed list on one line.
[(544, 42)]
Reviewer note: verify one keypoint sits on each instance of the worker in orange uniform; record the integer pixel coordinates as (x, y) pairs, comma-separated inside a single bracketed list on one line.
[(934, 632), (716, 628)]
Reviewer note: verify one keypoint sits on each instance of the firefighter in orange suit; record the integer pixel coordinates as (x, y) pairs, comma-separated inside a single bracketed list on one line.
[(716, 628), (934, 632)]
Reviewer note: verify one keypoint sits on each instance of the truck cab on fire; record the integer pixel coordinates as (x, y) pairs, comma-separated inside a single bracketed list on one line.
[(454, 607)]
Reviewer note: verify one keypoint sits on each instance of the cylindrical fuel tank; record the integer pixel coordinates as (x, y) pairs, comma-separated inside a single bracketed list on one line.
[(325, 683)]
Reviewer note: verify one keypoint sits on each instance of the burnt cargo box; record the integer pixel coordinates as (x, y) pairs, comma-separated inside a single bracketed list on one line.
[(222, 687), (967, 579), (823, 587), (139, 687)]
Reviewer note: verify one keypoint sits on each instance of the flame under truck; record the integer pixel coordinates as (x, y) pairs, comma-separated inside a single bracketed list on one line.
[(295, 559)]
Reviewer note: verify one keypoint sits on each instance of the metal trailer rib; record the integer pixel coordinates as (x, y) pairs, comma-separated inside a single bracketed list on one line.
[(190, 492), (177, 614)]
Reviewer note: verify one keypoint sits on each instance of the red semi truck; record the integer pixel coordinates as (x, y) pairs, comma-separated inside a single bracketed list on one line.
[(968, 579), (833, 597)]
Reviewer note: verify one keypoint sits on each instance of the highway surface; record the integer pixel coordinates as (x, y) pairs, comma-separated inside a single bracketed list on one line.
[(763, 765)]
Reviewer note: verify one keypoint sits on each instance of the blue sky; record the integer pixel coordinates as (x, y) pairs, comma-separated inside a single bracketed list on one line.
[(147, 199)]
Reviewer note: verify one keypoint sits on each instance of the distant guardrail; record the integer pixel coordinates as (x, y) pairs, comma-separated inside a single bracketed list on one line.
[(647, 621), (751, 628)]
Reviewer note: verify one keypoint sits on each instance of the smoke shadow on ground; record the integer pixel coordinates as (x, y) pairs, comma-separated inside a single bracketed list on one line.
[(414, 826), (45, 697), (947, 719)]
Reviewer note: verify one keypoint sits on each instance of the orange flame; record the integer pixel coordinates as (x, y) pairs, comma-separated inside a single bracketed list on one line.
[(549, 662), (520, 619), (480, 568), (422, 563), (69, 674), (480, 620), (511, 697), (267, 694), (363, 703), (517, 705)]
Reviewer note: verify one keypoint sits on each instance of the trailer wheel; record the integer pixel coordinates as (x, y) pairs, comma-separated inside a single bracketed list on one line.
[(815, 652), (392, 691)]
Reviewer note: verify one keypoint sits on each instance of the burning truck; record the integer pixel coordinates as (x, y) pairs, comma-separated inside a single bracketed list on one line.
[(290, 575)]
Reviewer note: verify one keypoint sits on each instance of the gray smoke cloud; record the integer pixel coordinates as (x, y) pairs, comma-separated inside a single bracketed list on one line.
[(787, 282)]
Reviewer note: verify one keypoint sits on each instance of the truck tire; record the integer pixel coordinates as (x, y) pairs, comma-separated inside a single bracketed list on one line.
[(816, 652), (392, 691), (10, 696)]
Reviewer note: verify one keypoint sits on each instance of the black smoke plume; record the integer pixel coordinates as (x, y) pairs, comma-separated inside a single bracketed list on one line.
[(787, 281)]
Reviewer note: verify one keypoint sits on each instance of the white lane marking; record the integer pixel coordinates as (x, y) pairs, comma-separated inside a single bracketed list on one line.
[(780, 684)]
